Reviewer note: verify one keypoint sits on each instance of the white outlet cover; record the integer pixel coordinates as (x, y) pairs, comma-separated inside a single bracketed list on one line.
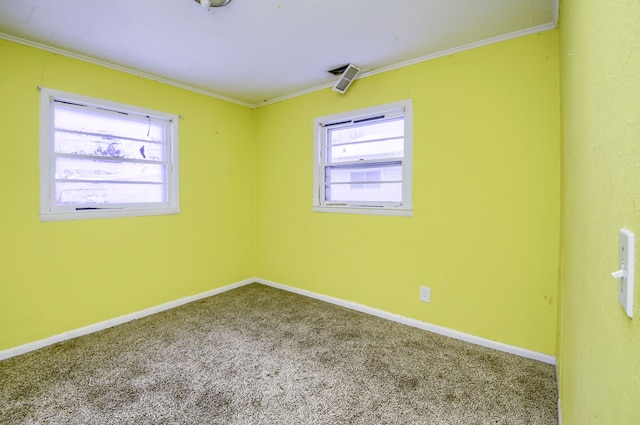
[(627, 264), (425, 294)]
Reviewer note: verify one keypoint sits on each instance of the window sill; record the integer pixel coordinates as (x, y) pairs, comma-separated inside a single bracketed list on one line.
[(401, 212), (93, 214)]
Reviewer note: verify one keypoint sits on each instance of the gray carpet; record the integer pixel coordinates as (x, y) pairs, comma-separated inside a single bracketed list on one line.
[(259, 355)]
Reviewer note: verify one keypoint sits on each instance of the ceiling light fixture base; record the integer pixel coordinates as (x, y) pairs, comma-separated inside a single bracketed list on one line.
[(212, 3)]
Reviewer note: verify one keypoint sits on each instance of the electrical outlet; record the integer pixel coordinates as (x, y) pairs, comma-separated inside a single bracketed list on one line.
[(626, 272), (425, 294)]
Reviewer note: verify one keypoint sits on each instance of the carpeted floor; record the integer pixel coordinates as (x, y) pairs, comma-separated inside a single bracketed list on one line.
[(259, 355)]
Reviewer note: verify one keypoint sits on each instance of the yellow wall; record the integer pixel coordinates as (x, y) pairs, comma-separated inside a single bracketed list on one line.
[(59, 276), (485, 234), (484, 237), (599, 347)]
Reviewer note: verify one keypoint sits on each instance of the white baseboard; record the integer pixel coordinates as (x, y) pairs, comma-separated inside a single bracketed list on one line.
[(417, 324), (559, 400), (559, 412), (16, 351), (11, 352)]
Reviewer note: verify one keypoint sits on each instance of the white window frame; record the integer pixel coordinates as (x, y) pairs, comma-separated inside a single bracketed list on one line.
[(49, 211), (322, 124)]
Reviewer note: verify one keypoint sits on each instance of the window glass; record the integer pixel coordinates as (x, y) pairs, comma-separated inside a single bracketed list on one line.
[(101, 159), (363, 161)]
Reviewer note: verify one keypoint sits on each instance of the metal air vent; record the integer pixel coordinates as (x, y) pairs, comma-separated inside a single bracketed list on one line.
[(350, 74)]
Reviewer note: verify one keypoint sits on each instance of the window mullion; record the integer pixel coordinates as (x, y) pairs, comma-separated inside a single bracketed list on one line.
[(109, 159), (110, 136), (361, 142), (365, 162), (363, 182)]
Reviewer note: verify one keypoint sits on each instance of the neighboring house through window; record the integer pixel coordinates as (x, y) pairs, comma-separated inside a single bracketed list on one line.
[(369, 180)]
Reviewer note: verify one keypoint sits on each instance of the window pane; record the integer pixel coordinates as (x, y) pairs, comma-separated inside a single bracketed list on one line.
[(95, 170), (363, 159), (362, 177), (385, 192), (92, 121), (364, 182), (108, 193), (104, 156), (364, 131), (85, 144), (391, 148)]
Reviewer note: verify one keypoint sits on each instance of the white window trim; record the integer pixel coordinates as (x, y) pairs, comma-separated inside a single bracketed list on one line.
[(406, 209), (48, 212)]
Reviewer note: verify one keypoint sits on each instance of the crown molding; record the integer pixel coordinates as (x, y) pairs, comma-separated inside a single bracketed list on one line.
[(120, 68), (447, 52), (486, 42)]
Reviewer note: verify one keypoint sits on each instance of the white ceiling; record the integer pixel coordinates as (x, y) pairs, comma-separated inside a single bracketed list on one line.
[(254, 51)]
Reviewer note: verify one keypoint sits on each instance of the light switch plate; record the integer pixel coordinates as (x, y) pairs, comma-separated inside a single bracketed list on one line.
[(625, 283)]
